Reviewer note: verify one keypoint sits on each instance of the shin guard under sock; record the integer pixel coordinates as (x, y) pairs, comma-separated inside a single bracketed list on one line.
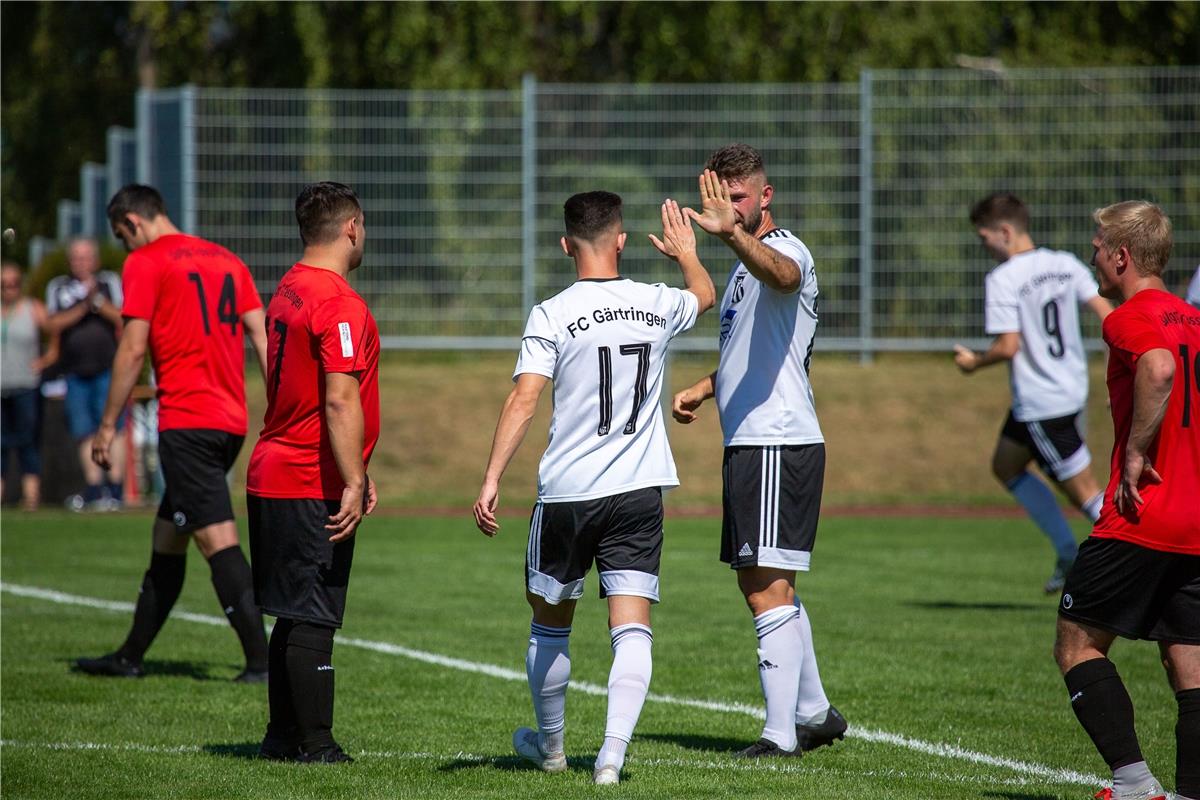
[(310, 673), (1100, 701), (1187, 744), (234, 583), (160, 589)]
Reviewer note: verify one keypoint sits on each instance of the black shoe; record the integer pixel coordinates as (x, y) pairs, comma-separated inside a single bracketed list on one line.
[(812, 736), (273, 749), (111, 665), (251, 676), (765, 748), (333, 754)]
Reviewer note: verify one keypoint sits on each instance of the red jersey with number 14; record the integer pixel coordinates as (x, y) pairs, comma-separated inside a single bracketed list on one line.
[(316, 324), (1169, 517), (193, 293)]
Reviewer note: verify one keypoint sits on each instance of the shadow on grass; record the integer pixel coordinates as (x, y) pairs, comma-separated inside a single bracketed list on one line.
[(511, 763), (244, 750), (693, 741), (1020, 796), (172, 669), (952, 605)]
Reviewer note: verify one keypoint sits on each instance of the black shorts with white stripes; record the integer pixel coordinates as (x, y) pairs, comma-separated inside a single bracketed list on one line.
[(772, 502), (1056, 443)]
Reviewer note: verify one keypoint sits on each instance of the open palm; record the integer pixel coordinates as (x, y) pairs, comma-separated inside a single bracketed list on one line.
[(716, 215)]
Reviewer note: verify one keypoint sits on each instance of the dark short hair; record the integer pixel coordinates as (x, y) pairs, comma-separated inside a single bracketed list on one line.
[(1000, 207), (135, 198), (735, 162), (321, 208), (588, 215)]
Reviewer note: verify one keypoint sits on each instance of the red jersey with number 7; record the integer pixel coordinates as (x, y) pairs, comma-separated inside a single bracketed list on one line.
[(1169, 517), (316, 324), (193, 293)]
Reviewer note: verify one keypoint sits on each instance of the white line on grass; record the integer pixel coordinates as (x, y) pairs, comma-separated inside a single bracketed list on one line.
[(940, 749)]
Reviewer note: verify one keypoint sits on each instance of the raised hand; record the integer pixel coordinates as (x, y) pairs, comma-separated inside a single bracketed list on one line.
[(678, 236), (717, 216)]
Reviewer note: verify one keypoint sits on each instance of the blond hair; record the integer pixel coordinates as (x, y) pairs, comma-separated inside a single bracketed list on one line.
[(1142, 228)]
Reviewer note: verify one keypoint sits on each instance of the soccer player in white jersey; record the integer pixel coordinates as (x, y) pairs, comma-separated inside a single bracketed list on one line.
[(603, 342), (774, 462), (1031, 306)]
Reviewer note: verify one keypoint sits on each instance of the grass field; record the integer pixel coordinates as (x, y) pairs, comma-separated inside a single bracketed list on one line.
[(933, 637)]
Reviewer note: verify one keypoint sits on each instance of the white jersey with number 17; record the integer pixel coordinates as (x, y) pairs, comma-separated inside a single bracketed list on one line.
[(1037, 294), (604, 344)]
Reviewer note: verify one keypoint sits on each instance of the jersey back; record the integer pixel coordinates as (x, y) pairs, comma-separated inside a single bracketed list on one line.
[(316, 324), (1037, 294), (1169, 518), (604, 344), (193, 293), (763, 392)]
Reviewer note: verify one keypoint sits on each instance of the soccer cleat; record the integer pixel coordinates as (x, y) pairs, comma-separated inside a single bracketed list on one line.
[(765, 748), (251, 676), (528, 744), (111, 666), (608, 775), (1152, 792), (333, 754), (1058, 578), (826, 732)]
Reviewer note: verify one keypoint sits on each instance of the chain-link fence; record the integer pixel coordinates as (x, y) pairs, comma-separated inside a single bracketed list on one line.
[(463, 191)]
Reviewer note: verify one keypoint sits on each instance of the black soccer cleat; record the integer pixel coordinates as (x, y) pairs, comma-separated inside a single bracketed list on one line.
[(765, 748), (278, 749), (251, 676), (111, 666), (812, 736), (333, 754)]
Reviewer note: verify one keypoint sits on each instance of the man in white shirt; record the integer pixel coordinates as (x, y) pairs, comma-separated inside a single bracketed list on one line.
[(1192, 295), (1031, 306), (603, 342), (774, 463)]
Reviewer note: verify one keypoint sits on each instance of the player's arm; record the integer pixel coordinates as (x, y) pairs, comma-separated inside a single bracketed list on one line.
[(126, 367), (514, 421), (1100, 307), (1152, 382), (254, 324), (685, 403), (1003, 348), (344, 421), (679, 245)]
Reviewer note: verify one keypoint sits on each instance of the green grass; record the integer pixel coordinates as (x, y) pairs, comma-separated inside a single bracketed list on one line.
[(934, 629)]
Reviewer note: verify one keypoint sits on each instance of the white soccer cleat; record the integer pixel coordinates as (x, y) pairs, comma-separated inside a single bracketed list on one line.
[(528, 744), (607, 775)]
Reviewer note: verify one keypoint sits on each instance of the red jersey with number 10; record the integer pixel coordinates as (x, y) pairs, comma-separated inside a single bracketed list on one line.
[(193, 293), (316, 324), (1169, 517)]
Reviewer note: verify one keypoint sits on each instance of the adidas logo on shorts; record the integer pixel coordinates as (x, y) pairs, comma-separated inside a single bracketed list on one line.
[(745, 551)]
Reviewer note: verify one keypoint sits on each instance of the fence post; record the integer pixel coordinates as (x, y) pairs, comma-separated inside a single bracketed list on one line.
[(528, 190), (866, 244), (187, 153), (144, 133)]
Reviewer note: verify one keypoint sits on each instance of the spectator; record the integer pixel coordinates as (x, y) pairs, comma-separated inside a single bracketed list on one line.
[(21, 365), (85, 309)]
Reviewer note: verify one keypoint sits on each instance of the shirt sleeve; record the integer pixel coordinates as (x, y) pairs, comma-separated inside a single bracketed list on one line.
[(140, 280), (340, 326), (539, 345), (1085, 285), (684, 308), (797, 252), (1001, 312), (1133, 332), (247, 292), (1193, 290), (52, 296)]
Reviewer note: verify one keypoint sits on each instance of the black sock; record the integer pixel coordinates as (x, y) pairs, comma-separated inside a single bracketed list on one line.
[(116, 490), (1187, 744), (235, 589), (160, 589), (1103, 707), (310, 672), (281, 724)]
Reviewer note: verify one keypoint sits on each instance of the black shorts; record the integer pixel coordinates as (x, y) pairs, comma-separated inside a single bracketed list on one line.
[(772, 501), (621, 533), (298, 573), (1134, 591), (195, 462), (1057, 443)]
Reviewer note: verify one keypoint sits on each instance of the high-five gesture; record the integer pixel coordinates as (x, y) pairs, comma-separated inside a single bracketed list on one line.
[(717, 216), (678, 236)]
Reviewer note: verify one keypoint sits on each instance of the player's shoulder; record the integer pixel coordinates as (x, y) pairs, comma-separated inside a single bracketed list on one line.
[(784, 239)]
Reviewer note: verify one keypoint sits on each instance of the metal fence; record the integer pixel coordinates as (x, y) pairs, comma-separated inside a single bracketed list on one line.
[(463, 191)]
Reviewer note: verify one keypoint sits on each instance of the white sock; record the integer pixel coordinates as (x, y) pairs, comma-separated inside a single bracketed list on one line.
[(812, 705), (780, 653), (1091, 507), (1131, 778), (628, 682), (548, 667)]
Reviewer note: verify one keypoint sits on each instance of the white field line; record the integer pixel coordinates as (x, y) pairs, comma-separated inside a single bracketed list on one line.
[(637, 763), (941, 749)]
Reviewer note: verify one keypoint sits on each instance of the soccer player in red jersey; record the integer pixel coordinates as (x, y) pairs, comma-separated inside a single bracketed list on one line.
[(307, 487), (190, 301), (1138, 574)]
